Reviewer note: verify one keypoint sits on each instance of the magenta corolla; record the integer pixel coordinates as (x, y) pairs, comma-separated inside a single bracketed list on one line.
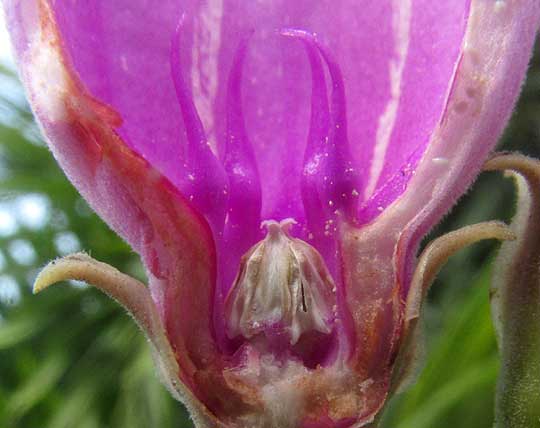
[(275, 163)]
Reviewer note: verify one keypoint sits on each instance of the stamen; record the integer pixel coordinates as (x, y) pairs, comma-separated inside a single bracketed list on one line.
[(206, 182), (317, 138), (327, 161), (244, 207)]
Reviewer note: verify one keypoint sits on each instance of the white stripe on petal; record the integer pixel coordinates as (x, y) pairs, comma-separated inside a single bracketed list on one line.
[(401, 23)]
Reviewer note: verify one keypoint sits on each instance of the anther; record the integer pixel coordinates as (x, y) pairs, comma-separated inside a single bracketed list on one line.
[(283, 284)]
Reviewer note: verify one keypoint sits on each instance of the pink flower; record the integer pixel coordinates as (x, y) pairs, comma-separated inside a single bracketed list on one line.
[(345, 128)]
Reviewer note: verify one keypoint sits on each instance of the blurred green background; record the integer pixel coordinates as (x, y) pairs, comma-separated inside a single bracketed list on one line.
[(71, 357)]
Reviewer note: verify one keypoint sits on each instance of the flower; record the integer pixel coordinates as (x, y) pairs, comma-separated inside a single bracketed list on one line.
[(346, 129)]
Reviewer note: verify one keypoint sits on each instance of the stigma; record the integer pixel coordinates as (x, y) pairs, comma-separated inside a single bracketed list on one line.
[(282, 287)]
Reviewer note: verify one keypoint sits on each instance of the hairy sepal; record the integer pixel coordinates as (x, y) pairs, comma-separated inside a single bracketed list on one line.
[(135, 298), (429, 264), (515, 299)]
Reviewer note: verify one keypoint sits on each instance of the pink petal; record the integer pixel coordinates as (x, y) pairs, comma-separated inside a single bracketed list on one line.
[(141, 205), (493, 63), (397, 59), (380, 257)]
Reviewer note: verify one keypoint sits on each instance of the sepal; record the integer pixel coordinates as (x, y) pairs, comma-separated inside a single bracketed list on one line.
[(135, 297), (515, 300), (430, 262)]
